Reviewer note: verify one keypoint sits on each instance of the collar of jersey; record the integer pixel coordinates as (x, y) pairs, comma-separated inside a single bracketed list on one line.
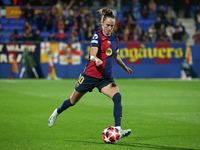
[(104, 35)]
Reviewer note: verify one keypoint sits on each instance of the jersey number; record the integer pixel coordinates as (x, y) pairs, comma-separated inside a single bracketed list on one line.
[(81, 79)]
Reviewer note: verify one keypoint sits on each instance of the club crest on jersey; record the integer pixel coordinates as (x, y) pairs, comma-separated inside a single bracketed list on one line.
[(109, 42), (109, 52)]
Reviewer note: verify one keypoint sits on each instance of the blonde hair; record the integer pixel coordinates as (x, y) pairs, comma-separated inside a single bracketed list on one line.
[(106, 12)]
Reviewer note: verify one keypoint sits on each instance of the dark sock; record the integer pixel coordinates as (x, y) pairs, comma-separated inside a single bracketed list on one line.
[(117, 110), (66, 104)]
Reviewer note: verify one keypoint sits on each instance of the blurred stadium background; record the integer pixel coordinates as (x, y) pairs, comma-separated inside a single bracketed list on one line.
[(155, 36), (162, 113)]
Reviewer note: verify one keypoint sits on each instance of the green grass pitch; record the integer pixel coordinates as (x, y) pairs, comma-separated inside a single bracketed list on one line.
[(163, 115)]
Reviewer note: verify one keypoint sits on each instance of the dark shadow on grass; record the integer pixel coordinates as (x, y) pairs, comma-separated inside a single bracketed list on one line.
[(152, 146), (135, 145)]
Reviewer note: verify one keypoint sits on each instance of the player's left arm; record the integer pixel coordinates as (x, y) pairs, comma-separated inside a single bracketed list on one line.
[(118, 59)]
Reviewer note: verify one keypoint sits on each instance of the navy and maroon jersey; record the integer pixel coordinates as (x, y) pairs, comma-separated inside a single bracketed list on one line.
[(107, 45)]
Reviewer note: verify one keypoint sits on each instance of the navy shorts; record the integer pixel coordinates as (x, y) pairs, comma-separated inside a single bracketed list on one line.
[(86, 83)]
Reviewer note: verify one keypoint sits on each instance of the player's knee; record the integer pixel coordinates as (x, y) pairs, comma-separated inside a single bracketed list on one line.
[(117, 98)]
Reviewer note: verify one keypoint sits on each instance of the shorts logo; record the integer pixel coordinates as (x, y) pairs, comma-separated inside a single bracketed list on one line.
[(77, 85), (109, 52)]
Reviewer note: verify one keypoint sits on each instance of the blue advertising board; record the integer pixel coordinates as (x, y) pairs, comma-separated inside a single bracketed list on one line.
[(148, 60)]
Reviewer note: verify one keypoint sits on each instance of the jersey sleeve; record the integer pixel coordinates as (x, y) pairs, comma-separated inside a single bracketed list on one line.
[(117, 43), (96, 39), (117, 48)]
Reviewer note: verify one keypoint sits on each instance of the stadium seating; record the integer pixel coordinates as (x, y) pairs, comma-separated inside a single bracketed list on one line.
[(45, 35), (9, 25), (4, 21), (34, 27), (21, 21)]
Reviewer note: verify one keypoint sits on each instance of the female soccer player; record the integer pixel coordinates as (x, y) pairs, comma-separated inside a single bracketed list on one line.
[(98, 71)]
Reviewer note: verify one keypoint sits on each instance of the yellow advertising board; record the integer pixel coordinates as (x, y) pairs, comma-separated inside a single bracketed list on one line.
[(13, 12)]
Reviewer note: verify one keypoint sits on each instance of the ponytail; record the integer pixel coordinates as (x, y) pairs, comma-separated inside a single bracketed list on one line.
[(106, 12)]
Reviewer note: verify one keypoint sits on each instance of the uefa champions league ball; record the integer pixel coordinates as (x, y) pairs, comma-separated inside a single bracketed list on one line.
[(111, 135)]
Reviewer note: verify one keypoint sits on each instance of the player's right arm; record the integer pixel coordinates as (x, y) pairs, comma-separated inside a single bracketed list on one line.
[(93, 56), (94, 45)]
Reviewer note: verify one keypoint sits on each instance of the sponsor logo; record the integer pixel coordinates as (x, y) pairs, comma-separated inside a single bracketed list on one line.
[(135, 54)]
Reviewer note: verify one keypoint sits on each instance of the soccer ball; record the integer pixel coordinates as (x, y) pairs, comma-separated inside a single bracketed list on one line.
[(111, 135)]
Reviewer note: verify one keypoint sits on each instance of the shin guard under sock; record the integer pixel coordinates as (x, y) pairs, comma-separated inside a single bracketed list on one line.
[(117, 110)]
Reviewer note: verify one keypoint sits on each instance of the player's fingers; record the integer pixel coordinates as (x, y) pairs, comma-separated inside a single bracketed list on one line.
[(130, 71), (99, 62)]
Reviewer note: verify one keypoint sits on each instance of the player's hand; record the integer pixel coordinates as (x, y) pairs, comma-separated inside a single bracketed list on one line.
[(98, 62), (129, 70)]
